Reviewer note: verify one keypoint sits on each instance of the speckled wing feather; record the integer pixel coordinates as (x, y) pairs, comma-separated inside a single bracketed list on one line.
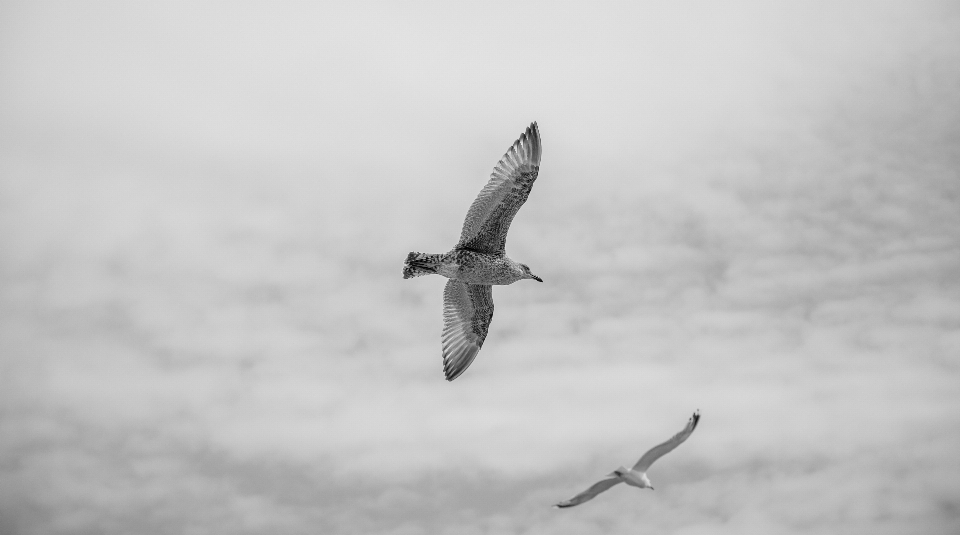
[(485, 228), (467, 310), (591, 493), (659, 451)]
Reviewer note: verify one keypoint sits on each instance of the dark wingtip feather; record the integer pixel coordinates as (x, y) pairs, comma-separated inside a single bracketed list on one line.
[(454, 372), (450, 373), (533, 137)]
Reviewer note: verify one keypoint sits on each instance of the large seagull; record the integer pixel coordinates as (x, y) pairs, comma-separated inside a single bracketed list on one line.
[(636, 476), (478, 260)]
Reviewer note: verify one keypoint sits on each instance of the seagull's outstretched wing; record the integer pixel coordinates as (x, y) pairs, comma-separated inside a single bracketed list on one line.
[(485, 228), (659, 451), (590, 493), (467, 310)]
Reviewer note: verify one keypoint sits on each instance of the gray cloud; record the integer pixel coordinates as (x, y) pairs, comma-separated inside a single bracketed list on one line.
[(203, 213)]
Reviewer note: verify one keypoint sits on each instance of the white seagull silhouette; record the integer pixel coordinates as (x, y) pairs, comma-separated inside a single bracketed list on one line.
[(636, 476)]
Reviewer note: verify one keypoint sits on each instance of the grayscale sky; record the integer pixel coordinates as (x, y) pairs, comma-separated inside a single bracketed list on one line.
[(750, 208)]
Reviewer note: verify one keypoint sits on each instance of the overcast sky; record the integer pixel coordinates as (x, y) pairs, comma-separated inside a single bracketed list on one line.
[(751, 209)]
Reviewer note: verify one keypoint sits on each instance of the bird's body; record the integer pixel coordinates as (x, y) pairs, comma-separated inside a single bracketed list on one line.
[(633, 478), (479, 261), (470, 267), (636, 476)]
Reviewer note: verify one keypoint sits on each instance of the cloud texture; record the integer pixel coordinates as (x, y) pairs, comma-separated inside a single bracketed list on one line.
[(751, 211)]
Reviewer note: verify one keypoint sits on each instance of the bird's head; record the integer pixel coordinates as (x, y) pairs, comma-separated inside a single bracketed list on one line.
[(527, 274)]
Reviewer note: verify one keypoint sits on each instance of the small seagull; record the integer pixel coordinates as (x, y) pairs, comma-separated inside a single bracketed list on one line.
[(478, 260), (636, 476)]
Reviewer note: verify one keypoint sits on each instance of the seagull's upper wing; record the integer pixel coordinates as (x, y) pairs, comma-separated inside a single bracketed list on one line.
[(485, 228), (659, 451), (591, 493), (467, 310)]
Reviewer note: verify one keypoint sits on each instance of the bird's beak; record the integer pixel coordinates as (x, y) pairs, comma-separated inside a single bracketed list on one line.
[(536, 278), (651, 488)]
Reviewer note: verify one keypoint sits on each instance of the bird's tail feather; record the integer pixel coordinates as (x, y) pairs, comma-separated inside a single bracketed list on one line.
[(418, 264)]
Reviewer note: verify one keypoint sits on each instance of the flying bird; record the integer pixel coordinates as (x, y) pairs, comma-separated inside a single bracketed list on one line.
[(478, 261), (636, 476)]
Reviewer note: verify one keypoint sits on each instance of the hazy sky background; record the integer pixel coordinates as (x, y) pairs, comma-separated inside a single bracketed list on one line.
[(748, 208)]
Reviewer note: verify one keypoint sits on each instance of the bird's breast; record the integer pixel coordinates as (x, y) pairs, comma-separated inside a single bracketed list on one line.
[(481, 268), (633, 479)]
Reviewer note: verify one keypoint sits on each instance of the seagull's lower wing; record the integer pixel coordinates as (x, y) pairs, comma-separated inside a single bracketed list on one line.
[(662, 449), (467, 311), (590, 493)]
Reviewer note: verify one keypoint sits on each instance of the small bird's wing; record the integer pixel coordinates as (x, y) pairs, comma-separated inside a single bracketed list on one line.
[(590, 493), (467, 310), (659, 451), (485, 228)]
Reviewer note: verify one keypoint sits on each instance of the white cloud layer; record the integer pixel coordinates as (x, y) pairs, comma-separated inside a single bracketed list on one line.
[(750, 210)]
